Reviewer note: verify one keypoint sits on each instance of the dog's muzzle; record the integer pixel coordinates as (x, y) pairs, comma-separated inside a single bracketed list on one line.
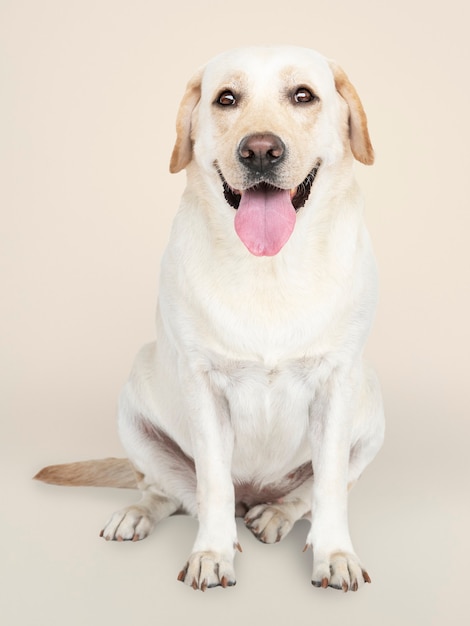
[(299, 195), (266, 214)]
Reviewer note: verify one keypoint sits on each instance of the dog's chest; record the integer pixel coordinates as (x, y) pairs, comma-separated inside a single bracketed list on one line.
[(269, 413)]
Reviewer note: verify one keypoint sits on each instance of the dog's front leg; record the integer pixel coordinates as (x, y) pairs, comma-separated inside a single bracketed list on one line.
[(211, 561), (334, 561)]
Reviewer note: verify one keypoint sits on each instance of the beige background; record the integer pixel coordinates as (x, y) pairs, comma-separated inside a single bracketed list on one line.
[(89, 91)]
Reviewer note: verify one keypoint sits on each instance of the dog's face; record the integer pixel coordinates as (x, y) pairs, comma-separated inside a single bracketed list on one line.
[(260, 122)]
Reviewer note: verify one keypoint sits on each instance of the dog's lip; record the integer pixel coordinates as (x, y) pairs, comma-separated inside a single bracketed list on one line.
[(298, 195), (239, 192)]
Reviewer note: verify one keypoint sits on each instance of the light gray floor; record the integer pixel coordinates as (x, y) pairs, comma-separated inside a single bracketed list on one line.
[(409, 519)]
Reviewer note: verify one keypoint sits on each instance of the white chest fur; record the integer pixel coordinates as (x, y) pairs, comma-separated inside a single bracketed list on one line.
[(269, 413)]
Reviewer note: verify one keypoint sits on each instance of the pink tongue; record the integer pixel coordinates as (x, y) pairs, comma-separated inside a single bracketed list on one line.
[(265, 220)]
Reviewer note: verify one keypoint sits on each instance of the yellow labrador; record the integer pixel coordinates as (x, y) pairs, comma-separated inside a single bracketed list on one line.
[(254, 399)]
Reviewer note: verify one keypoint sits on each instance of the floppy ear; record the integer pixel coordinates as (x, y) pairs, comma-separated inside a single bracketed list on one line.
[(358, 134), (182, 152)]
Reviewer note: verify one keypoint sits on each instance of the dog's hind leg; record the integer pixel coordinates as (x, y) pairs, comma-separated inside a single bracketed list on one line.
[(271, 522), (137, 521), (369, 435), (167, 481), (165, 474)]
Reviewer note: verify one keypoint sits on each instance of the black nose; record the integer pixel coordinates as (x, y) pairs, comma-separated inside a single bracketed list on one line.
[(261, 152)]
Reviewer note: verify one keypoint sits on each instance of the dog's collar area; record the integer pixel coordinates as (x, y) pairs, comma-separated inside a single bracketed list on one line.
[(299, 195)]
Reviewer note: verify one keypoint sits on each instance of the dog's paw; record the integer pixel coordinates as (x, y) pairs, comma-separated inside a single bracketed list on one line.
[(340, 570), (208, 569), (130, 524), (269, 522)]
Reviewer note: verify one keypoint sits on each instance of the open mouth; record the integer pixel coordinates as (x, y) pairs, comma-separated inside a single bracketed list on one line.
[(266, 214), (298, 196)]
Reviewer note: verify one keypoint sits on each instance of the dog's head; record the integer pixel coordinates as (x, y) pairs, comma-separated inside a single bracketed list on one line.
[(261, 122)]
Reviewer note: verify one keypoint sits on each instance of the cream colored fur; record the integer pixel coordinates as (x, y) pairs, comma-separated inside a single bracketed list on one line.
[(256, 375)]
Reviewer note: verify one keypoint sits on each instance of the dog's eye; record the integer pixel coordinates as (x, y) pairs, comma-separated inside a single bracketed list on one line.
[(226, 99), (303, 95)]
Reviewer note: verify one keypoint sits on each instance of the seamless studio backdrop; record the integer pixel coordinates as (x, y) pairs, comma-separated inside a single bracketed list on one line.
[(89, 93)]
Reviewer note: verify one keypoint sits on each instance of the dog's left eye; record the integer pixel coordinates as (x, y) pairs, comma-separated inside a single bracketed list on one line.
[(226, 98), (303, 95)]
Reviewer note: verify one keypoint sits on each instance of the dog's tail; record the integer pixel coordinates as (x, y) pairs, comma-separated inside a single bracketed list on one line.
[(102, 473)]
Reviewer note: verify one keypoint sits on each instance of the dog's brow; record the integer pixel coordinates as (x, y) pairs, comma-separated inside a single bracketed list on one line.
[(232, 80)]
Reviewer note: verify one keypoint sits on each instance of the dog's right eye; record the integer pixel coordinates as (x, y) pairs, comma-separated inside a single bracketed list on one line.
[(303, 96), (226, 99)]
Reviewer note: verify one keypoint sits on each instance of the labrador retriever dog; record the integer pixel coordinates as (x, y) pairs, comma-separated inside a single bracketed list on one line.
[(254, 400)]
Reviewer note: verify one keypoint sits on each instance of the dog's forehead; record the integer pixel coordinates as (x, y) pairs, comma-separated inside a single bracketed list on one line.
[(256, 65)]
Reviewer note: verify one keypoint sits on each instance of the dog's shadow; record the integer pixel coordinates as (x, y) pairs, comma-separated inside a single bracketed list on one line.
[(286, 558)]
